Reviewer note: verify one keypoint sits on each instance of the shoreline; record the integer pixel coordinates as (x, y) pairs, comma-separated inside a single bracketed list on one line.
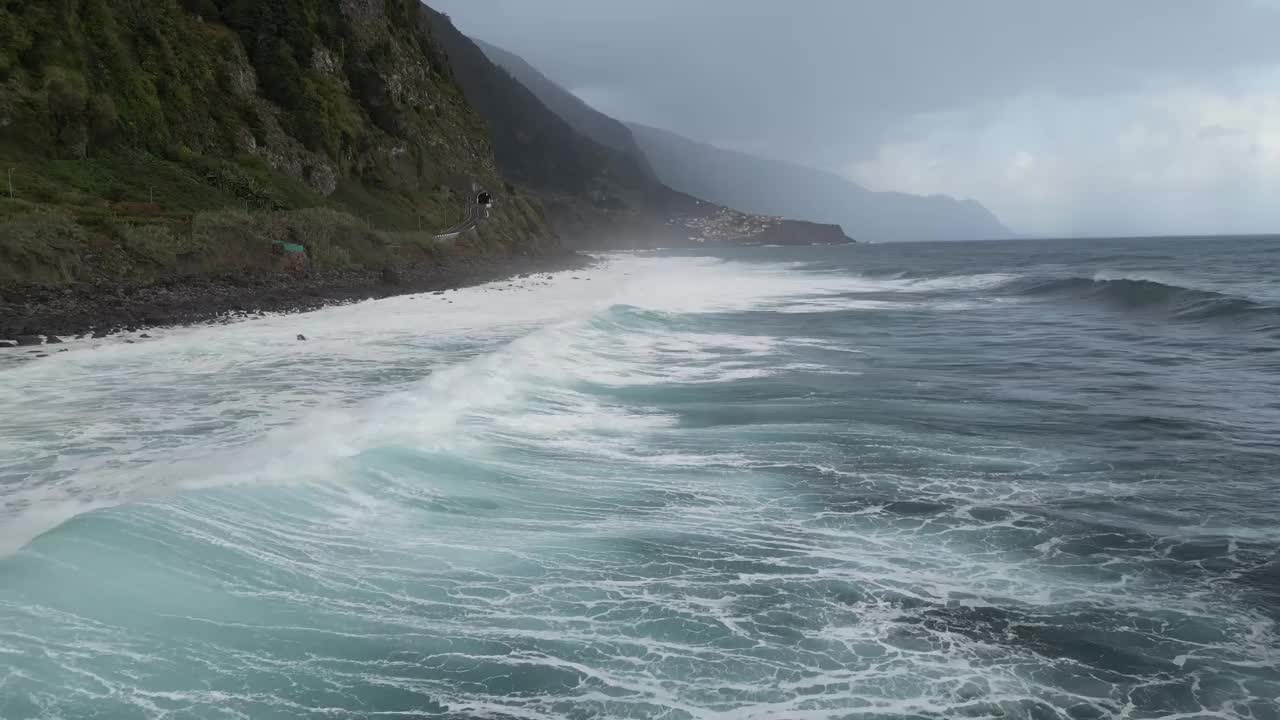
[(35, 316)]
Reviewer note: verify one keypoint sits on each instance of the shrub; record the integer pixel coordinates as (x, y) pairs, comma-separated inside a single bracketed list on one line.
[(153, 242), (220, 218), (40, 247)]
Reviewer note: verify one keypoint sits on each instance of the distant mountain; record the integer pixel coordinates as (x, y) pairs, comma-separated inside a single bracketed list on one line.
[(758, 185), (534, 147), (761, 185), (596, 192), (579, 115)]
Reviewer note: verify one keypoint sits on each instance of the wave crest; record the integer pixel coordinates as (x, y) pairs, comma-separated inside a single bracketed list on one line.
[(1138, 294)]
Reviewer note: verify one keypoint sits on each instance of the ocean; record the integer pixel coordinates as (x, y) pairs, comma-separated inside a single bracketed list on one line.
[(967, 480)]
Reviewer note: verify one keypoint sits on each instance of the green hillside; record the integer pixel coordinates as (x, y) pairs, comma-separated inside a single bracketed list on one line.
[(142, 136)]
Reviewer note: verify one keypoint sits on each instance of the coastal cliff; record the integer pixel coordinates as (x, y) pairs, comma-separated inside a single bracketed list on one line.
[(179, 144), (178, 160)]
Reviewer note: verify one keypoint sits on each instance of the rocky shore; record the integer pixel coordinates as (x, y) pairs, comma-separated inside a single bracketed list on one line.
[(35, 315)]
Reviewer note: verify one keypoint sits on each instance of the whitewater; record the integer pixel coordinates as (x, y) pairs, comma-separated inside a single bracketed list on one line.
[(980, 480)]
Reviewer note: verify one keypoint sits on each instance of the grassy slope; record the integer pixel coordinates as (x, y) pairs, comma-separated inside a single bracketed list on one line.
[(143, 135)]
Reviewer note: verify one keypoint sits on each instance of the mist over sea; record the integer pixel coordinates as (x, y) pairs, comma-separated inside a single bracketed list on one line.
[(964, 480)]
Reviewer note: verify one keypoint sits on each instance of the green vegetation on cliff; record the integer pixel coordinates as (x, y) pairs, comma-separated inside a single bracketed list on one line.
[(127, 119)]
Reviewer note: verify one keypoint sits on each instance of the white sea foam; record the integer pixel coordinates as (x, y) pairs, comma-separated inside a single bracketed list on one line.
[(560, 499), (198, 407)]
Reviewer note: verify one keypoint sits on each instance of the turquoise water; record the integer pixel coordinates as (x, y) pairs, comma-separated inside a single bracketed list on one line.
[(996, 480)]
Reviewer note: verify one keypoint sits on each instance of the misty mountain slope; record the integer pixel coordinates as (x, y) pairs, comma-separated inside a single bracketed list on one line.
[(579, 115), (533, 144), (758, 185), (594, 194), (761, 185)]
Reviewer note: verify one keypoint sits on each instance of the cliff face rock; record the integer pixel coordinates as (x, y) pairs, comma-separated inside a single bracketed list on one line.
[(367, 17)]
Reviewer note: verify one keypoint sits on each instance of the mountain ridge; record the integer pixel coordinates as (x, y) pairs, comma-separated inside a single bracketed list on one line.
[(582, 117), (596, 194), (751, 184), (775, 186)]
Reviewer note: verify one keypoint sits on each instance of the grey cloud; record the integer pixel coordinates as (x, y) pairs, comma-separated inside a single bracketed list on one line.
[(813, 78)]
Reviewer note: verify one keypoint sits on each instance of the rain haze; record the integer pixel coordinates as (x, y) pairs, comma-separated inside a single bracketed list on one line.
[(1083, 118)]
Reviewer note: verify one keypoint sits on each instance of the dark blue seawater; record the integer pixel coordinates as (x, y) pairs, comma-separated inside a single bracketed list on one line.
[(972, 480)]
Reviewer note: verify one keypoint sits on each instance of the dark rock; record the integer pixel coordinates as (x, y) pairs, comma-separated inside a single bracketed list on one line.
[(8, 343), (301, 336), (99, 334), (64, 350), (30, 340), (145, 336), (53, 340), (43, 355)]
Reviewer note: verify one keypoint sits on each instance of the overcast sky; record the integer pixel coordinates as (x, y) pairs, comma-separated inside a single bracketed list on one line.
[(1062, 117)]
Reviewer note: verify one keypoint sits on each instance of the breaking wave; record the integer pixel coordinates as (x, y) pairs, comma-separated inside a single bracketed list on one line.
[(674, 488), (1141, 294)]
